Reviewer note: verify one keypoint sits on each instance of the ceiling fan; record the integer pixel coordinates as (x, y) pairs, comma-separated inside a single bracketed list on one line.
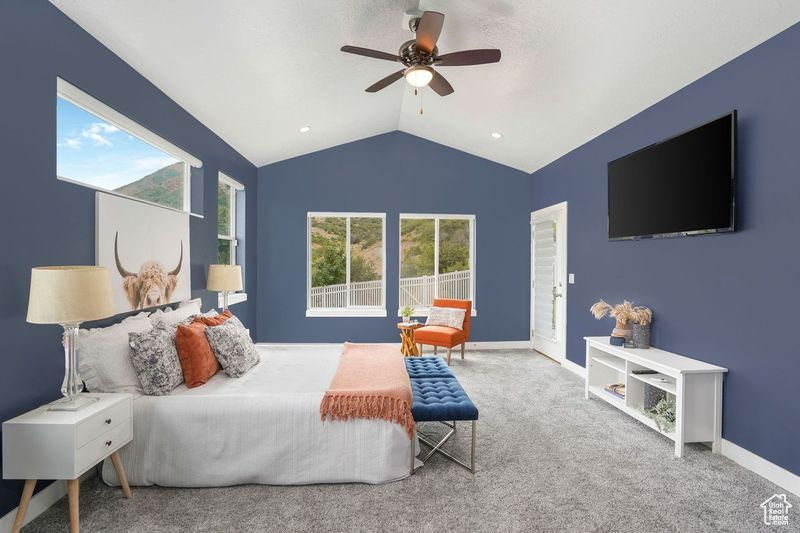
[(420, 55)]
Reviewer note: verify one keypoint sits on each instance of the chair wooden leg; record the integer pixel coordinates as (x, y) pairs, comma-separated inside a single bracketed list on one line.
[(435, 349), (73, 490), (463, 344), (420, 349), (449, 350), (123, 479), (27, 492)]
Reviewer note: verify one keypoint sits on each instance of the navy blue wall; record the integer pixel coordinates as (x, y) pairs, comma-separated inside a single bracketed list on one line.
[(50, 222), (729, 299), (392, 173)]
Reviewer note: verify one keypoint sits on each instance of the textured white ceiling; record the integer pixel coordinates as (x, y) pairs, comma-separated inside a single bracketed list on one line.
[(255, 71)]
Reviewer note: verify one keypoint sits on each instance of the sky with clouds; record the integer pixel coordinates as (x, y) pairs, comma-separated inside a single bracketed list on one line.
[(97, 153)]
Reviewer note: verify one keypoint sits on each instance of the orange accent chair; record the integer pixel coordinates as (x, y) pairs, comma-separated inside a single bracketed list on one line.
[(443, 336)]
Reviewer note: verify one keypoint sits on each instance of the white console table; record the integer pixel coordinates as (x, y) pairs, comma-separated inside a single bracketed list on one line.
[(695, 385)]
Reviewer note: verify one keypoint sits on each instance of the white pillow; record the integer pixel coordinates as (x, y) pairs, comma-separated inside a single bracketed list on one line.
[(104, 359), (184, 303), (446, 316), (173, 318)]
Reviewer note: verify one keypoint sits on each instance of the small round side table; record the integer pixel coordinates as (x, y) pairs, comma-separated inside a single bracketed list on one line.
[(409, 347)]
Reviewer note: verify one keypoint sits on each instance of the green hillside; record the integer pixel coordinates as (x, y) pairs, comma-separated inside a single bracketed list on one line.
[(164, 187)]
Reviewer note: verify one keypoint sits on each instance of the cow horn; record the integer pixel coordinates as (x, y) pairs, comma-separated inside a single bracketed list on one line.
[(124, 273), (180, 262)]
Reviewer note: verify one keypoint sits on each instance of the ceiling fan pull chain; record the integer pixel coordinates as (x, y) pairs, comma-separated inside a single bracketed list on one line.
[(420, 100)]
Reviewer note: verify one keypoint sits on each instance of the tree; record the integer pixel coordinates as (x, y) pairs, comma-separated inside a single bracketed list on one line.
[(331, 267), (362, 270)]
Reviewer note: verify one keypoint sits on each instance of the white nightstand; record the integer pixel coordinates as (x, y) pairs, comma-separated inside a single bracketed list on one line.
[(44, 444)]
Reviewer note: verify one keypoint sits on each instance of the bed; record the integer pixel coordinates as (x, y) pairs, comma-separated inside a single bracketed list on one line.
[(263, 428)]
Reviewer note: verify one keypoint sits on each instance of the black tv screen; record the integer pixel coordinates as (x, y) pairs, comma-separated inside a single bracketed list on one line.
[(684, 185)]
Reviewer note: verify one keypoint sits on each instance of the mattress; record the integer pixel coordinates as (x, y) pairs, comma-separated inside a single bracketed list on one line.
[(263, 428)]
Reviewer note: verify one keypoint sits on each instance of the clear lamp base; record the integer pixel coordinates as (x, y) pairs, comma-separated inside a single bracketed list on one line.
[(72, 404)]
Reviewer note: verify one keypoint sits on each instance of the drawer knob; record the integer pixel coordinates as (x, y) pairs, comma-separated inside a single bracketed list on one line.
[(108, 420), (108, 443)]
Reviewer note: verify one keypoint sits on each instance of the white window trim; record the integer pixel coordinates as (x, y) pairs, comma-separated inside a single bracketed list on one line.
[(233, 298), (377, 311), (231, 237), (423, 311), (236, 297), (88, 103)]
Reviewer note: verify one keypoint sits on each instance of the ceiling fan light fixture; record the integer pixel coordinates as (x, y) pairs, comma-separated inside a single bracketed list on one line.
[(418, 75)]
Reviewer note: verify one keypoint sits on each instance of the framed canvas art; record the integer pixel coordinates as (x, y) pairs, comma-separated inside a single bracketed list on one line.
[(146, 250)]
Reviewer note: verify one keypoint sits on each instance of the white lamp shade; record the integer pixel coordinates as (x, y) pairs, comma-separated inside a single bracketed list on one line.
[(69, 294), (224, 278)]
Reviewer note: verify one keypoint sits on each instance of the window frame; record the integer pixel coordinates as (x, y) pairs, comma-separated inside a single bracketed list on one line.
[(75, 96), (350, 311), (423, 311), (222, 178), (234, 186)]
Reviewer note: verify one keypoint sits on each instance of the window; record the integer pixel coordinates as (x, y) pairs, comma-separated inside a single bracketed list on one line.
[(437, 259), (346, 264), (229, 197), (226, 219), (100, 148)]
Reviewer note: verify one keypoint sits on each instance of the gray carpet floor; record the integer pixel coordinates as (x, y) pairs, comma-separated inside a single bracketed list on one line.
[(547, 459)]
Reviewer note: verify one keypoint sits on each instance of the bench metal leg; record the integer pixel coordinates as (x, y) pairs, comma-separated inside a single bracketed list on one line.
[(436, 447)]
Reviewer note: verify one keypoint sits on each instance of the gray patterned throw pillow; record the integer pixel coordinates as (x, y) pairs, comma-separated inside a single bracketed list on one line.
[(155, 359), (233, 347)]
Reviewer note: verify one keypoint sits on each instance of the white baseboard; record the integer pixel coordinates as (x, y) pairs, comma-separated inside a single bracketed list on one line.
[(479, 345), (755, 463), (499, 345), (575, 368), (40, 502)]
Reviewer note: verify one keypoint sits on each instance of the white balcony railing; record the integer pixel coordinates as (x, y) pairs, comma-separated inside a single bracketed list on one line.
[(415, 292)]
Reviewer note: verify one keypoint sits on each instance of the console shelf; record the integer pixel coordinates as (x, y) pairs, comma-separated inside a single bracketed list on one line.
[(696, 387)]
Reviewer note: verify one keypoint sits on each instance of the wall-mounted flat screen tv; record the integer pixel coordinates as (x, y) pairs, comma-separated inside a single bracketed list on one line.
[(684, 185)]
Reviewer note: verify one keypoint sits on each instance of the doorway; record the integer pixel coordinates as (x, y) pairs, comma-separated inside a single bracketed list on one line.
[(549, 281)]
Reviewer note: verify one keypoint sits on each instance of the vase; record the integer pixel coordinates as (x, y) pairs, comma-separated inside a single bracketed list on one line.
[(641, 336), (652, 395), (406, 319), (622, 330)]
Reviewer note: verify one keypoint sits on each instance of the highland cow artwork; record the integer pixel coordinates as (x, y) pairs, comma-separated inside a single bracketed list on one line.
[(146, 249)]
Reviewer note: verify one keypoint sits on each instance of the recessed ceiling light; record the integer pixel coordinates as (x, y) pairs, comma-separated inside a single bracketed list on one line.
[(305, 129), (497, 135)]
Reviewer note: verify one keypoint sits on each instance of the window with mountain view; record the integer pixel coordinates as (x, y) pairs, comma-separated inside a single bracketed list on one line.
[(436, 259), (346, 264), (95, 152)]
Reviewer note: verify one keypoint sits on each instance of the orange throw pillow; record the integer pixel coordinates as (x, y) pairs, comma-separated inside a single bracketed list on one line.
[(214, 320), (196, 356)]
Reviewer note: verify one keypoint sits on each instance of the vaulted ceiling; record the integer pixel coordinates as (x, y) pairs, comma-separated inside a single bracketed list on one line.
[(256, 71)]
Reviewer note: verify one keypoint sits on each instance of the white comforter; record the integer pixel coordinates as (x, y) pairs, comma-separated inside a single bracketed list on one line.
[(261, 428)]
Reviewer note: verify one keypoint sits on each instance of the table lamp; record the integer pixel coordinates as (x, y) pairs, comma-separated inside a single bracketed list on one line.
[(69, 295), (225, 279)]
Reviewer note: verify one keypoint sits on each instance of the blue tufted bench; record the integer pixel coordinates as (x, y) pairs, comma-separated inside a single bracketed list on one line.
[(427, 367), (440, 398)]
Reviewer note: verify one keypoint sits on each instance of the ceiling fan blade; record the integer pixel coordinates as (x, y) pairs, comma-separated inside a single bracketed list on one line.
[(430, 26), (468, 57), (370, 53), (440, 85), (385, 82)]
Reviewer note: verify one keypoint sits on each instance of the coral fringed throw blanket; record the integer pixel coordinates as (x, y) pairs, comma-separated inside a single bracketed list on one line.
[(370, 382)]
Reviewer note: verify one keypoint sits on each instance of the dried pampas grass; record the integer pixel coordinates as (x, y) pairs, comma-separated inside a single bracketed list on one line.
[(624, 313)]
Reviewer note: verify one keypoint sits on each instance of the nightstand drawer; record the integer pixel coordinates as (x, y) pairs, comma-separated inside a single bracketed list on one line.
[(91, 428), (93, 452)]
